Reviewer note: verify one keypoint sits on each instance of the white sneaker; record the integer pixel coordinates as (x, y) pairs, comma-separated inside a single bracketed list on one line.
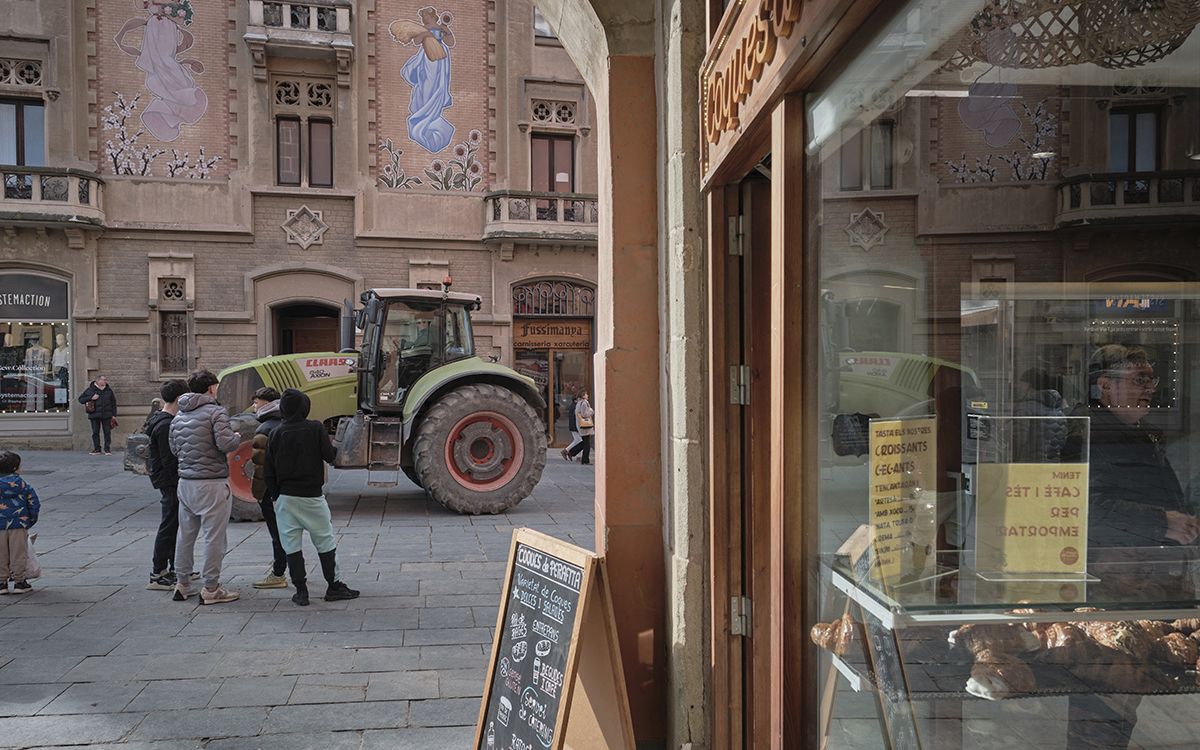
[(220, 595)]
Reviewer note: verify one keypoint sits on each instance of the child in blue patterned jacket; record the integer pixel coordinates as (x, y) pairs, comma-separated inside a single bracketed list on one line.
[(19, 508)]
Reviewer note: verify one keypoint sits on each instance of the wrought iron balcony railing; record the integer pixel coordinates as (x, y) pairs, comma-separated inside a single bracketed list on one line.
[(51, 196), (1128, 196), (550, 218)]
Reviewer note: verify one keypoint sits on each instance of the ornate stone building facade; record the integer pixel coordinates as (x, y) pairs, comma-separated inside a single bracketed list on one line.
[(193, 183)]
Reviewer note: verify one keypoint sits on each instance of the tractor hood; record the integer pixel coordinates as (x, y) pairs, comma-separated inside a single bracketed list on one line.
[(327, 378)]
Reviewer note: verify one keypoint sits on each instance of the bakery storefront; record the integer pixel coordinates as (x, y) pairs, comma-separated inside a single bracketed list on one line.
[(35, 359), (955, 307), (552, 343)]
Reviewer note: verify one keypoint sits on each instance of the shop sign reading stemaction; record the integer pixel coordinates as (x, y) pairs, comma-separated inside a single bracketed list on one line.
[(27, 296)]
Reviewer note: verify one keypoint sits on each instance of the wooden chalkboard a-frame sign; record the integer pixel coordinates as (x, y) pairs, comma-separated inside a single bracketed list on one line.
[(554, 680)]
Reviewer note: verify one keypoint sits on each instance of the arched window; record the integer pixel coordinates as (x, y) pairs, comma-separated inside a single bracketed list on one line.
[(554, 297)]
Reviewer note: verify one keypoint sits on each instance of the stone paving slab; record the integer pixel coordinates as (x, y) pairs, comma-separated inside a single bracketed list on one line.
[(94, 660)]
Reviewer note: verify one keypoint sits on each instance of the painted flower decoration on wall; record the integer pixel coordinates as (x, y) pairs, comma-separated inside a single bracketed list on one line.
[(446, 18), (460, 150), (438, 165), (475, 136)]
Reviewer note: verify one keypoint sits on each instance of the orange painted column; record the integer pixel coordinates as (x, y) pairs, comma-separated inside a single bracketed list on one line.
[(629, 504)]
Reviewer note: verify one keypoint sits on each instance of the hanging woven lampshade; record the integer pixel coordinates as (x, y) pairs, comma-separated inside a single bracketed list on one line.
[(1054, 33)]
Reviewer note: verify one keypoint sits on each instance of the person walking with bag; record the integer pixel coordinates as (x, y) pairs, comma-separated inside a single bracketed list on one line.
[(19, 508), (266, 409), (295, 475), (100, 403), (573, 428), (584, 416), (200, 437), (164, 477)]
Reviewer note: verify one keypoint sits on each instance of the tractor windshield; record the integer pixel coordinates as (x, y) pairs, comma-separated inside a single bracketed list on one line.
[(416, 337)]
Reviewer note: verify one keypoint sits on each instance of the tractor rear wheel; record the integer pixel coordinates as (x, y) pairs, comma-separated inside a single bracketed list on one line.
[(480, 449), (241, 471)]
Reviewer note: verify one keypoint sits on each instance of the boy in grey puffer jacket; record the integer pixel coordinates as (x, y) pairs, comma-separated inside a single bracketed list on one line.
[(200, 437)]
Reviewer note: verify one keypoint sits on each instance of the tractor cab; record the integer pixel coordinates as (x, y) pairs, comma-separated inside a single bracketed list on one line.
[(407, 333)]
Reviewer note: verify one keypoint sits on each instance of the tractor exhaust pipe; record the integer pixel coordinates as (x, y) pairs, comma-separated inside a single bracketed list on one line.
[(346, 330)]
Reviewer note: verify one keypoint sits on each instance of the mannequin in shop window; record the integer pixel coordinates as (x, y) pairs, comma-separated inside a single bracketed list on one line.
[(37, 364), (10, 356)]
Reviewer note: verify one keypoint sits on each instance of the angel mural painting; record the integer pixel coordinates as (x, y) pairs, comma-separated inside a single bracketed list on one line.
[(428, 72), (177, 99)]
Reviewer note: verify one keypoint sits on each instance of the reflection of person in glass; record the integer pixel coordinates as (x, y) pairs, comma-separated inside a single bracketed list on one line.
[(1135, 500)]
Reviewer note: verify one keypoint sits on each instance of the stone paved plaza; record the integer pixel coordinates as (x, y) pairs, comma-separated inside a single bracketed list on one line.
[(93, 659)]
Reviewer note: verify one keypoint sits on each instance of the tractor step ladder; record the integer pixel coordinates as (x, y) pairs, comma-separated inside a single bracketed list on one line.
[(383, 452)]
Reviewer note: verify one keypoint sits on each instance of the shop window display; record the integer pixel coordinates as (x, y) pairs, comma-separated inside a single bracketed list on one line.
[(1010, 458), (35, 366)]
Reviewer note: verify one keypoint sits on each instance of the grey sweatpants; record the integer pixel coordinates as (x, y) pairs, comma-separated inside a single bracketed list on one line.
[(204, 506)]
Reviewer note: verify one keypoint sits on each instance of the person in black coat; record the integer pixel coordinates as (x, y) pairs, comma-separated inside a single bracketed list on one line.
[(164, 476), (294, 470), (266, 410), (102, 413), (1134, 500)]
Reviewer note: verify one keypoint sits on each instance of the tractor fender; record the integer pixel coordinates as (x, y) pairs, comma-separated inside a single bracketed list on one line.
[(431, 386)]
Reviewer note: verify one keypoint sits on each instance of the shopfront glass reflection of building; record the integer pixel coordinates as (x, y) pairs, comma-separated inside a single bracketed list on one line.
[(1043, 199)]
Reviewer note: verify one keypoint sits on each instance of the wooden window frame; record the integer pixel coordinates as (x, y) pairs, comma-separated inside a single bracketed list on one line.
[(279, 119), (866, 147), (552, 137), (19, 135), (1132, 111), (306, 135)]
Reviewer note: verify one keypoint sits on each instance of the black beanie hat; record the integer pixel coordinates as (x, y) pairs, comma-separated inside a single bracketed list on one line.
[(294, 405)]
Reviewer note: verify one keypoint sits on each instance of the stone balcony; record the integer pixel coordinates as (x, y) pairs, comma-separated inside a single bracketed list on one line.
[(304, 29), (52, 197), (1128, 197), (524, 217)]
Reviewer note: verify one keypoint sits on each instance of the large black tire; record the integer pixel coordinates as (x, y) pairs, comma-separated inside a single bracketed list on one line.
[(480, 449)]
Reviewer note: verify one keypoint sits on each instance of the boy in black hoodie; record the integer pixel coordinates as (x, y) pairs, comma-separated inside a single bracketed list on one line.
[(295, 476), (164, 477)]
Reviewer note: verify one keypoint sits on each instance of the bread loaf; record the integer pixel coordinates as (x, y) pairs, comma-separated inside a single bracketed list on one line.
[(1176, 649), (1001, 639), (1064, 644), (837, 636), (999, 675), (1124, 636)]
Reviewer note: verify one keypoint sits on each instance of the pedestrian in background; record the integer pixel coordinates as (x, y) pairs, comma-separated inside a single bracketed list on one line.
[(297, 452), (266, 408), (100, 403), (584, 414), (19, 507), (200, 437), (164, 477), (573, 426)]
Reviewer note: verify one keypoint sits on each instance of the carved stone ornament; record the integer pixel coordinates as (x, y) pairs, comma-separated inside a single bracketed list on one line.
[(866, 229), (304, 227)]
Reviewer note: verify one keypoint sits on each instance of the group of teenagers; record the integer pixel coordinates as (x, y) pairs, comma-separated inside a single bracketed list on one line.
[(190, 439)]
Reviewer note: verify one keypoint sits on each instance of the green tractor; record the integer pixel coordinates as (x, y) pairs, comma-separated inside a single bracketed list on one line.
[(416, 399)]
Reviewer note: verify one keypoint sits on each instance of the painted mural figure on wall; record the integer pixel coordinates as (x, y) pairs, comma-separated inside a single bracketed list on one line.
[(177, 99), (428, 72)]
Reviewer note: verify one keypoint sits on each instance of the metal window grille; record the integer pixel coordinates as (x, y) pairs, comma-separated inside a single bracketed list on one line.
[(563, 298), (173, 341)]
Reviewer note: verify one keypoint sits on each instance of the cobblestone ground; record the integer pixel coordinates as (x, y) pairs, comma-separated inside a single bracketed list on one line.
[(93, 659)]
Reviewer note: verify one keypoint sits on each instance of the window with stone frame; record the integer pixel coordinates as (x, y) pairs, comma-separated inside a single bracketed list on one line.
[(173, 328), (866, 157), (22, 132), (302, 109)]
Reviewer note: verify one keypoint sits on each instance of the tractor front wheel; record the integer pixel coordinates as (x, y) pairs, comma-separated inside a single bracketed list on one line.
[(480, 449)]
